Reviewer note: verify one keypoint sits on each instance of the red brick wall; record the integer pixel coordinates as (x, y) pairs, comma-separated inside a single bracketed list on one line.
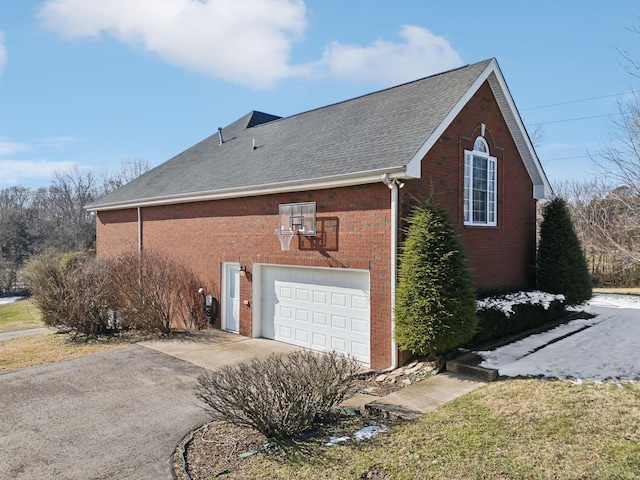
[(501, 256), (353, 231), (353, 225), (116, 231)]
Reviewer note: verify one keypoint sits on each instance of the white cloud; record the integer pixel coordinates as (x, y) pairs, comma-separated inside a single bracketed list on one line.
[(57, 142), (20, 172), (9, 148), (244, 41), (419, 54), (3, 52)]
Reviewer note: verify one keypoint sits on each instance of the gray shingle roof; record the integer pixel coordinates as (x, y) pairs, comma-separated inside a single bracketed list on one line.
[(375, 132)]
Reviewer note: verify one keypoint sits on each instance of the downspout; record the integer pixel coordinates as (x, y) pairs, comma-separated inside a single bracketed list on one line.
[(139, 231), (393, 186)]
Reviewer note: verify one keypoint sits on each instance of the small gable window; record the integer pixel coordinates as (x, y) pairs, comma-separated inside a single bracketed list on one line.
[(480, 198)]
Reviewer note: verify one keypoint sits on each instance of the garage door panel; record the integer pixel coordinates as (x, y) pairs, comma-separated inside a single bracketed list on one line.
[(319, 318), (359, 349), (302, 315), (360, 303), (338, 344), (285, 333), (302, 336), (360, 325), (338, 300), (302, 295), (338, 322), (317, 308), (319, 298), (319, 341), (283, 291)]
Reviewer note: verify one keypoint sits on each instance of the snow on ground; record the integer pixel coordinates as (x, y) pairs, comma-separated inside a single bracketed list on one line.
[(604, 347), (9, 299)]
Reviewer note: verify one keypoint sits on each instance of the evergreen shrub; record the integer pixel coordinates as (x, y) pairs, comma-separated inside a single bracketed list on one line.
[(561, 264), (494, 323), (435, 300)]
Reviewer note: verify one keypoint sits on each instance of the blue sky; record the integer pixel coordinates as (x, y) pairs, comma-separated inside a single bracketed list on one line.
[(94, 83)]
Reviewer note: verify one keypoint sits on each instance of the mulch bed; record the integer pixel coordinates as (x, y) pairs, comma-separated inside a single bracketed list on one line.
[(215, 448)]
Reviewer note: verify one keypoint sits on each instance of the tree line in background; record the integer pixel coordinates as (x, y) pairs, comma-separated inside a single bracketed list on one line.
[(33, 221), (606, 210)]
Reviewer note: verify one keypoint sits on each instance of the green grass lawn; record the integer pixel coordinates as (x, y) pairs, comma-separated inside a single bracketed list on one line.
[(510, 429), (19, 315)]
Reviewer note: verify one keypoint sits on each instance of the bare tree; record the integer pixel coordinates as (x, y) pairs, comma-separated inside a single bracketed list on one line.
[(536, 135), (621, 156), (72, 226), (129, 170), (612, 216), (607, 223)]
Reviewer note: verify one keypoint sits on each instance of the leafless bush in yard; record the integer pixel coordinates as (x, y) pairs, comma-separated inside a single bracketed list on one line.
[(153, 292), (194, 315), (279, 396), (47, 276), (85, 307)]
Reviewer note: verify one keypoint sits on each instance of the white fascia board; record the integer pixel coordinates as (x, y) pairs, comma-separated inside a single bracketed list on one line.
[(295, 186), (414, 165), (541, 186)]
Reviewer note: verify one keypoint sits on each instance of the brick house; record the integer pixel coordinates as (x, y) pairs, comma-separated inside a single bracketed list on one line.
[(360, 164)]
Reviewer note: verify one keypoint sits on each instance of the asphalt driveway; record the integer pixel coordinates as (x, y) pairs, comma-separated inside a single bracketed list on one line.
[(117, 414)]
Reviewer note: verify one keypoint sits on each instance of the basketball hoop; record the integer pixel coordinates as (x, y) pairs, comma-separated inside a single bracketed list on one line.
[(285, 237)]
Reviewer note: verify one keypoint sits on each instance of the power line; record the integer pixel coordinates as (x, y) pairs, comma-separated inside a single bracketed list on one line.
[(574, 119), (567, 158), (571, 158), (579, 101)]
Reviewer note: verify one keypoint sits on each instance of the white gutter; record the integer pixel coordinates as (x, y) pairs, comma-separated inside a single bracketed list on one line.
[(393, 186), (239, 192)]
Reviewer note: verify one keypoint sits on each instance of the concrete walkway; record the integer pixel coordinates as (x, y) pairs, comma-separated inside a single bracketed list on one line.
[(412, 401)]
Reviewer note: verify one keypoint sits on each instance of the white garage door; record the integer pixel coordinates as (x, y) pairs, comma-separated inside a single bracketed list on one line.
[(321, 309)]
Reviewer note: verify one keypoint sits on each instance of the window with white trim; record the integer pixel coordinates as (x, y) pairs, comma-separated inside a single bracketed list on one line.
[(480, 196)]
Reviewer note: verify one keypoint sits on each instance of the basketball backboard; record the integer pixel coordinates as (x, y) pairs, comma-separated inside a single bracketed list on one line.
[(298, 217)]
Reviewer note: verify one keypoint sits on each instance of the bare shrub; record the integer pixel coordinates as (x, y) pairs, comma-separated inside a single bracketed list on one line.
[(194, 314), (279, 396), (70, 290), (85, 307), (47, 279), (153, 292)]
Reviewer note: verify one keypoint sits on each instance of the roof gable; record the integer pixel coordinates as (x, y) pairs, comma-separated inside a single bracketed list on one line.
[(345, 143), (493, 75)]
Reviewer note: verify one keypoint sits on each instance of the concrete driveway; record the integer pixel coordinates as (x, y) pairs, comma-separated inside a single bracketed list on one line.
[(116, 414), (604, 347)]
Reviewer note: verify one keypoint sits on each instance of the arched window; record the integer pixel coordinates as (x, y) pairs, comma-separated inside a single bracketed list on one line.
[(480, 196)]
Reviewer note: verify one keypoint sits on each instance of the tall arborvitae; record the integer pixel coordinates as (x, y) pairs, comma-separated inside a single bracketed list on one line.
[(435, 299), (561, 264)]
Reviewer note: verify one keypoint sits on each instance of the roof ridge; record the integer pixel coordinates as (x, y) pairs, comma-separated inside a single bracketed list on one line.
[(393, 87)]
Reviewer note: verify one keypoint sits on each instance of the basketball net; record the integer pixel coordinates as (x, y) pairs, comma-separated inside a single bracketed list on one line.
[(285, 237)]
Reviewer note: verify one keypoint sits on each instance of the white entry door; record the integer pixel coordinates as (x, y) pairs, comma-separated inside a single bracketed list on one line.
[(232, 298)]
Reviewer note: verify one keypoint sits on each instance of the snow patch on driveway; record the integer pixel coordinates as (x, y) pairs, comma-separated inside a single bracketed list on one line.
[(604, 347)]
